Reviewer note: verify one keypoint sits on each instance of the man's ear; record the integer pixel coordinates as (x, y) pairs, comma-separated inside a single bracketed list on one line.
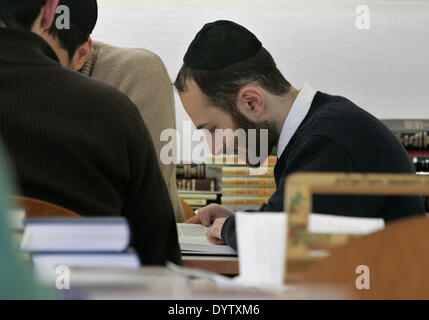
[(251, 102), (48, 14), (81, 55)]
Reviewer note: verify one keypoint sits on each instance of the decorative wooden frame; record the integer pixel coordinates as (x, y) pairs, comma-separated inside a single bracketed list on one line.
[(299, 191)]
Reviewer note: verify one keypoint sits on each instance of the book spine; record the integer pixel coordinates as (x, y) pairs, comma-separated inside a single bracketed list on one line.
[(195, 195), (244, 201), (252, 191), (196, 202), (413, 140), (191, 171), (245, 171), (234, 160), (196, 184), (251, 181)]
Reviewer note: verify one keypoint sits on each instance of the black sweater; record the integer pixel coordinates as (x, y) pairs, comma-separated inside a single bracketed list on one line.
[(338, 136), (82, 145)]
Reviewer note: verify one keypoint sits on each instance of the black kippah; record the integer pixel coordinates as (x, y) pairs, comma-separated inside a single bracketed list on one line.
[(220, 44), (83, 13)]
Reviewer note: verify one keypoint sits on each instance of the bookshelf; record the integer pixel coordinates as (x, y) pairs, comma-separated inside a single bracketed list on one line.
[(237, 186), (198, 184)]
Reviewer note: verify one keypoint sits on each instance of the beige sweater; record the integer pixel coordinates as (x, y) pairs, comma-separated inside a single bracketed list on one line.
[(142, 76)]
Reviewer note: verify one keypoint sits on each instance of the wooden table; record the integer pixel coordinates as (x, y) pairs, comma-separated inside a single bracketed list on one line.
[(160, 283), (227, 266)]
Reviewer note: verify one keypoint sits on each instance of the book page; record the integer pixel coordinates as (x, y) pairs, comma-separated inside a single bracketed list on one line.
[(192, 239), (192, 233)]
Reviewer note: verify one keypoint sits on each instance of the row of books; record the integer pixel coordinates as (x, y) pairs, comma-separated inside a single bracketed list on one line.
[(195, 187), (234, 185), (413, 133), (414, 136), (248, 188)]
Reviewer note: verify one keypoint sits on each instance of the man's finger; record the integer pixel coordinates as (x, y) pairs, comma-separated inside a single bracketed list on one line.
[(194, 220), (211, 236), (205, 217), (218, 242)]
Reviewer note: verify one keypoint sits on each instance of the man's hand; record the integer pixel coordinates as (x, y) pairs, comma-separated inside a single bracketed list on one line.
[(207, 216), (214, 235)]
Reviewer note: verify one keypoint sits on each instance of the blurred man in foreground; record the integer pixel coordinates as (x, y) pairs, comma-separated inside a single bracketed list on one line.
[(77, 142), (138, 73)]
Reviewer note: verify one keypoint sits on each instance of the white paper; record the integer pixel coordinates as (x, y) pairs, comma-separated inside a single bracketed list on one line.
[(323, 223), (227, 283), (261, 241)]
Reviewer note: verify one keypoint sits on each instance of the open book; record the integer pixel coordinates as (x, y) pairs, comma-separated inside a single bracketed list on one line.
[(192, 240)]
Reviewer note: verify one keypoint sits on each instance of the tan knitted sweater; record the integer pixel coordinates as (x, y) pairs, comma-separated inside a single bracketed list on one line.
[(142, 76)]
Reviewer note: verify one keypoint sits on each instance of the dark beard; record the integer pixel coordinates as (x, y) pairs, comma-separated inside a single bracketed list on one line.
[(241, 122)]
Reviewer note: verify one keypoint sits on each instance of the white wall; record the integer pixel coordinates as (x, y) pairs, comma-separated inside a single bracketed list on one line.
[(384, 70)]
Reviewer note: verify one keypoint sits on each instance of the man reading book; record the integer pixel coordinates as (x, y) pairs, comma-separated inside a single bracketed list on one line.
[(230, 81)]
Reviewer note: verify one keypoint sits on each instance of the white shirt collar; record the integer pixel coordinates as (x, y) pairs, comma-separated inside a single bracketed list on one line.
[(297, 113)]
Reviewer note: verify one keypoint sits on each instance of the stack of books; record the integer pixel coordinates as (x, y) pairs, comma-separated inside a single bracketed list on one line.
[(100, 243), (244, 187), (195, 187)]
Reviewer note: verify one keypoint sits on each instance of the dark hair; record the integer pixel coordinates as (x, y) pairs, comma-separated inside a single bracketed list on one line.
[(70, 39), (222, 86), (20, 13)]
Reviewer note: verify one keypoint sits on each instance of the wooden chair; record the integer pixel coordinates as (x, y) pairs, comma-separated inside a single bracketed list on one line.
[(300, 189), (397, 259), (35, 208), (189, 212)]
